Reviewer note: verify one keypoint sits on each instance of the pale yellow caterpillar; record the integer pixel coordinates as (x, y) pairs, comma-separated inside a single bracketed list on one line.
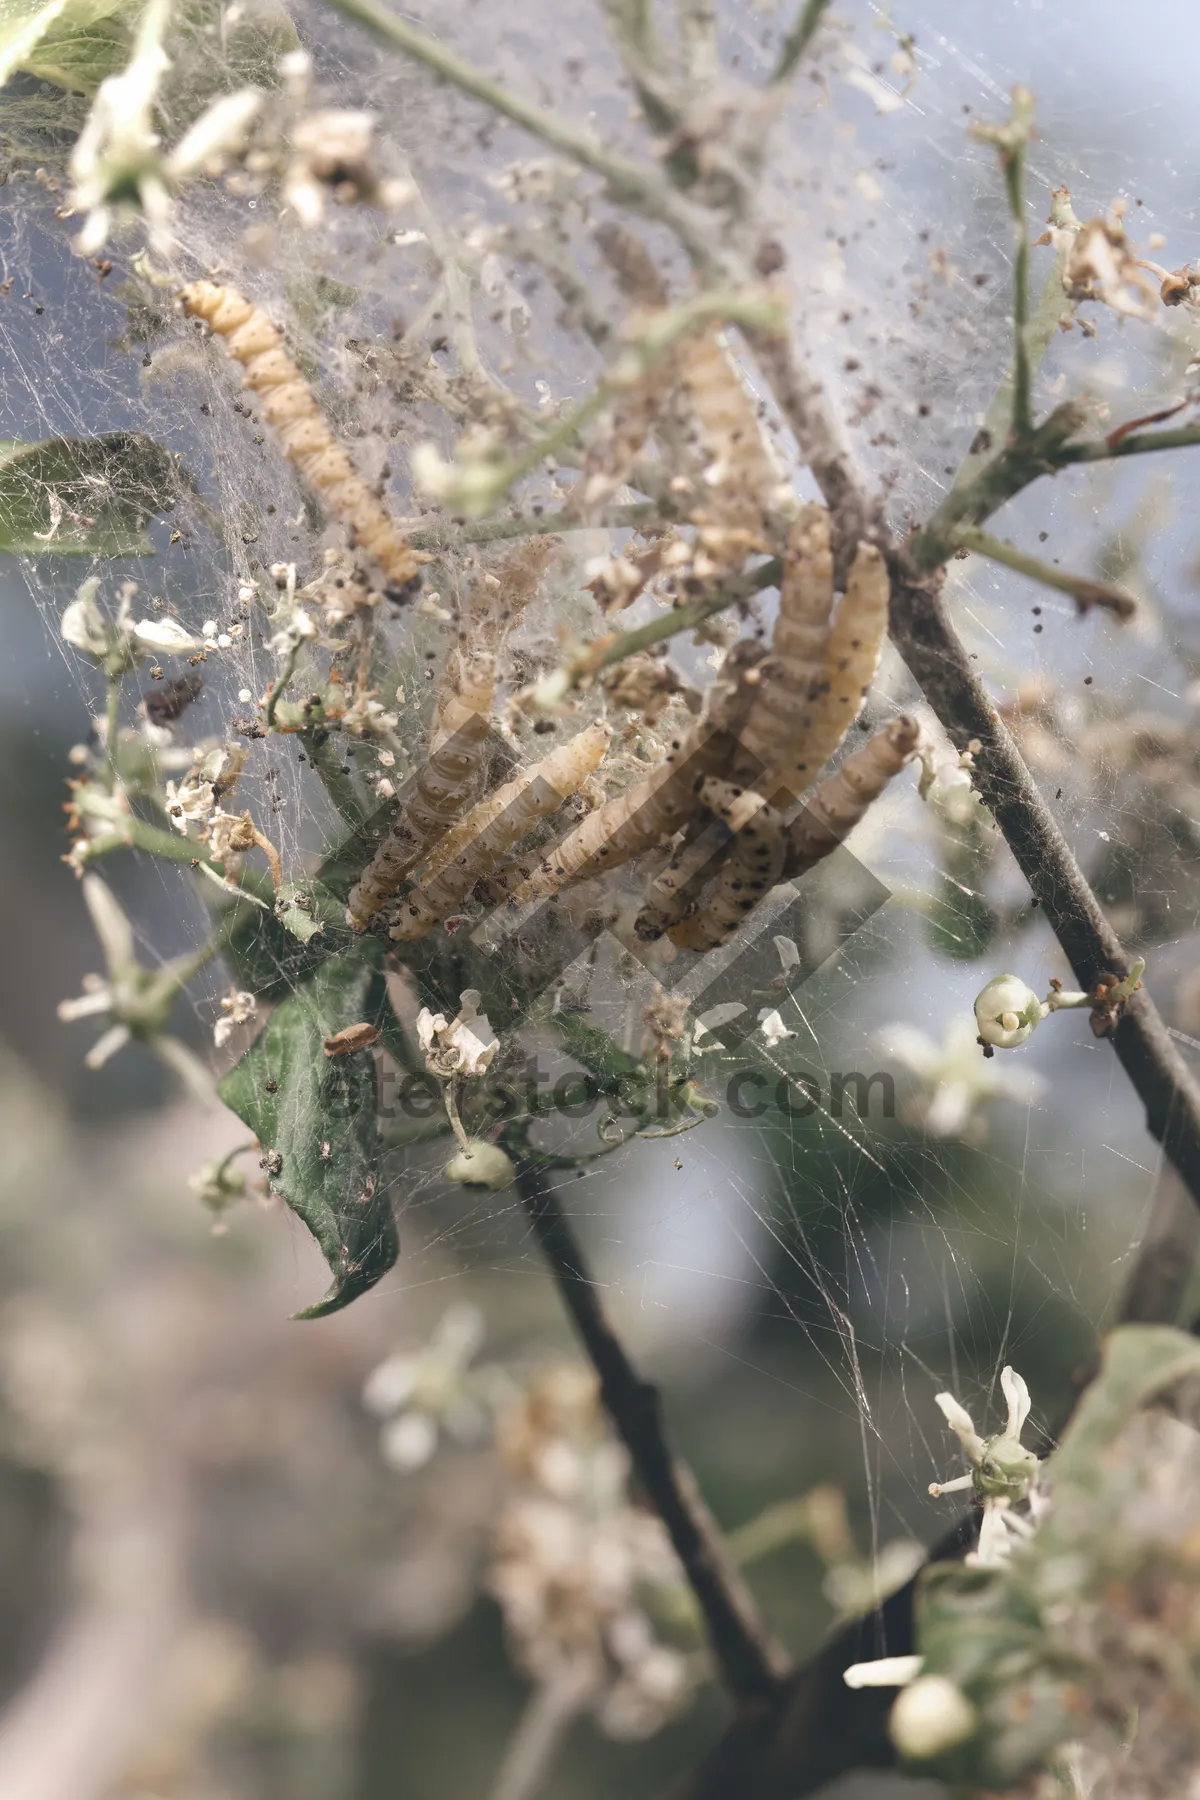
[(648, 813), (851, 661), (841, 800), (742, 474), (480, 841), (780, 713), (673, 893), (465, 694), (752, 865), (442, 794), (288, 405)]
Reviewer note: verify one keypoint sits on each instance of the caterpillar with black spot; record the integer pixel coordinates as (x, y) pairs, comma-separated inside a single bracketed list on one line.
[(752, 865), (763, 850), (836, 807), (479, 842), (779, 715), (646, 814), (288, 405), (821, 665), (851, 662)]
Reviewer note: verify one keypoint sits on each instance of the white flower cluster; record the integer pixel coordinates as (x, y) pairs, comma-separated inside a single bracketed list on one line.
[(432, 1393), (120, 644), (574, 1563)]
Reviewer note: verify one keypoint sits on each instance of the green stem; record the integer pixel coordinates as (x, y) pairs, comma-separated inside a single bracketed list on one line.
[(1012, 141), (1138, 443), (446, 535), (1085, 592), (633, 364), (799, 38), (112, 727), (277, 687), (590, 659), (993, 485)]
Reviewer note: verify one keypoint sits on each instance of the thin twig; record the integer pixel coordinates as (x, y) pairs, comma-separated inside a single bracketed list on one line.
[(446, 534), (799, 38), (1012, 141), (1140, 443), (1085, 592), (547, 1717), (751, 1663)]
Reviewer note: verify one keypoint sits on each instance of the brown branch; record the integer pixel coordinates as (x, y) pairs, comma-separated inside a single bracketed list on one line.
[(818, 1727), (751, 1663)]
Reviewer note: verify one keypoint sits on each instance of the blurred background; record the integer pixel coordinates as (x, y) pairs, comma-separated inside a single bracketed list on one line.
[(251, 1559)]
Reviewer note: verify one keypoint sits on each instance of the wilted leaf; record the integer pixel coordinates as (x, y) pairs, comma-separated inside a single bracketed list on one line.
[(317, 1120), (83, 496), (296, 908)]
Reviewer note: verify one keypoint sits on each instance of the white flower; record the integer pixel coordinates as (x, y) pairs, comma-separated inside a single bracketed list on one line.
[(1003, 1471), (954, 1084), (166, 636), (432, 1391), (885, 1671), (773, 1029), (931, 1716), (959, 1420), (138, 1001), (1007, 1012), (716, 1016), (84, 626), (466, 1046)]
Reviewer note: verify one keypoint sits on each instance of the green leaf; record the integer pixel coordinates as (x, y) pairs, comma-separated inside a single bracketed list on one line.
[(74, 43), (83, 496), (316, 1117)]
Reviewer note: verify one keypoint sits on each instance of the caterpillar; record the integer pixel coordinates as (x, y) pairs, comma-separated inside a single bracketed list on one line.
[(287, 403), (779, 716), (479, 842), (647, 813), (851, 660), (675, 890), (841, 800), (442, 792), (465, 694), (751, 867), (741, 470)]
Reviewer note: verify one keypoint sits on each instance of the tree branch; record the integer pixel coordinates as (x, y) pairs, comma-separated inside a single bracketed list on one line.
[(752, 1664)]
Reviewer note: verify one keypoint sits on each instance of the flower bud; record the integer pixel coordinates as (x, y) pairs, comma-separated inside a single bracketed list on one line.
[(481, 1165), (930, 1716), (1007, 1011)]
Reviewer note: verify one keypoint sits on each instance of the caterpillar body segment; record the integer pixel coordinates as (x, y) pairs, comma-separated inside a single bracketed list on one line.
[(467, 691), (441, 795), (751, 867), (288, 405), (489, 831), (779, 717), (742, 472), (673, 893), (653, 809), (851, 662), (839, 803)]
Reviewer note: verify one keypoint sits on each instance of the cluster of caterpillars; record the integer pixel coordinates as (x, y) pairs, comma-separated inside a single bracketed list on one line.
[(724, 798)]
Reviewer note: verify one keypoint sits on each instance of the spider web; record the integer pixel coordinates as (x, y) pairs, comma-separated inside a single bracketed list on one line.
[(861, 1257)]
